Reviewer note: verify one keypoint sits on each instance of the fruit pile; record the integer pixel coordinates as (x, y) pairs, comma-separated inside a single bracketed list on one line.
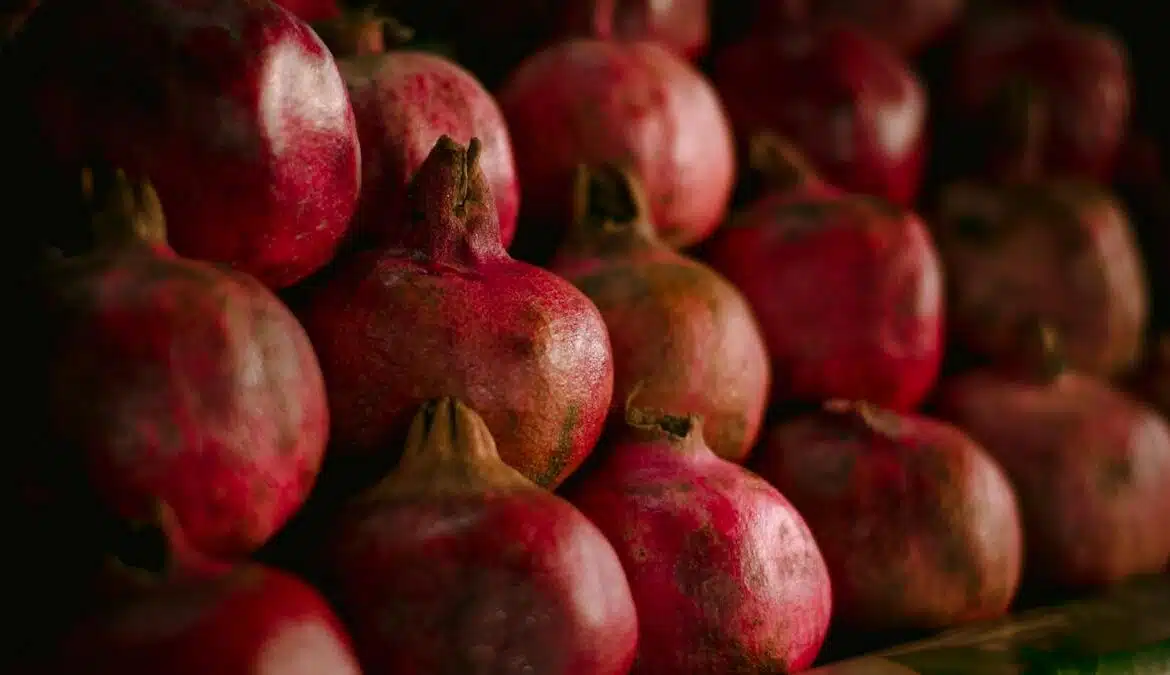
[(569, 338)]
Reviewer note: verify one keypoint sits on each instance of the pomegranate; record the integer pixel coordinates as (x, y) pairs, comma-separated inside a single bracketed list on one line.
[(844, 98), (679, 25), (234, 108), (724, 572), (181, 383), (1076, 74), (457, 563), (633, 104), (847, 288), (1060, 251), (403, 102), (683, 337), (1090, 465), (250, 621), (523, 347), (918, 526)]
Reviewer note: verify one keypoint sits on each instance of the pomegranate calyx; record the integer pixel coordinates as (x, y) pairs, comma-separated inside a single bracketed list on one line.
[(1046, 360), (454, 220), (781, 165), (609, 211), (873, 417), (362, 31), (449, 450), (124, 211), (156, 549)]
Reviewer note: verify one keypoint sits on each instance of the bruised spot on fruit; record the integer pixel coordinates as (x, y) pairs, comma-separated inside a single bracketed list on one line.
[(563, 453), (1116, 475)]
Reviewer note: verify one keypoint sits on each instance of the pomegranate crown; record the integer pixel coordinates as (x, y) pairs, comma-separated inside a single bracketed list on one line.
[(124, 210), (609, 212), (453, 216)]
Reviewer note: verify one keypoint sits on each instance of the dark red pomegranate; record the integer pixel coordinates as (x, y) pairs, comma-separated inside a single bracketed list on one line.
[(632, 104), (918, 526), (844, 98), (182, 384), (683, 337), (1057, 251), (847, 288), (1075, 75), (457, 563), (250, 621), (234, 108), (403, 102), (1090, 465), (444, 311), (725, 573)]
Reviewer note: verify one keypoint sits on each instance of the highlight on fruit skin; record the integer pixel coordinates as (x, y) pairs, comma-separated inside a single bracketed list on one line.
[(455, 562)]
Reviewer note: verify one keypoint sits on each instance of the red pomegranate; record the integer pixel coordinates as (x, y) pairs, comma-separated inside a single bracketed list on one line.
[(235, 109), (634, 104), (1076, 75), (918, 526), (250, 621), (844, 98), (403, 102), (679, 25), (182, 384), (1059, 251), (444, 311), (1091, 468), (847, 288), (725, 573), (683, 337), (457, 563)]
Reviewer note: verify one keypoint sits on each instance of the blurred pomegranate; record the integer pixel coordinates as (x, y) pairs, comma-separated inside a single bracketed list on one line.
[(845, 99), (1016, 70)]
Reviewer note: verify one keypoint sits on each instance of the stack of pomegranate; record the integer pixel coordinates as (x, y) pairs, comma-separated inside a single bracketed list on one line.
[(333, 360)]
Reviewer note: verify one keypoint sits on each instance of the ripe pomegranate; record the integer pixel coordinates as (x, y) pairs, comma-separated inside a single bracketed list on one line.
[(457, 563), (1091, 468), (634, 104), (847, 288), (679, 25), (182, 384), (403, 102), (235, 109), (919, 528), (683, 337), (1056, 250), (1076, 74), (844, 98), (725, 573), (250, 621), (523, 347)]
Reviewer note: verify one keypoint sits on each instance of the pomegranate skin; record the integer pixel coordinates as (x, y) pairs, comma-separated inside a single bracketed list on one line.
[(458, 564), (634, 104), (679, 25), (235, 109), (1057, 251), (252, 621), (184, 386), (724, 572), (844, 98), (403, 102), (848, 291), (683, 337), (1077, 74), (918, 526), (524, 348), (1091, 468)]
